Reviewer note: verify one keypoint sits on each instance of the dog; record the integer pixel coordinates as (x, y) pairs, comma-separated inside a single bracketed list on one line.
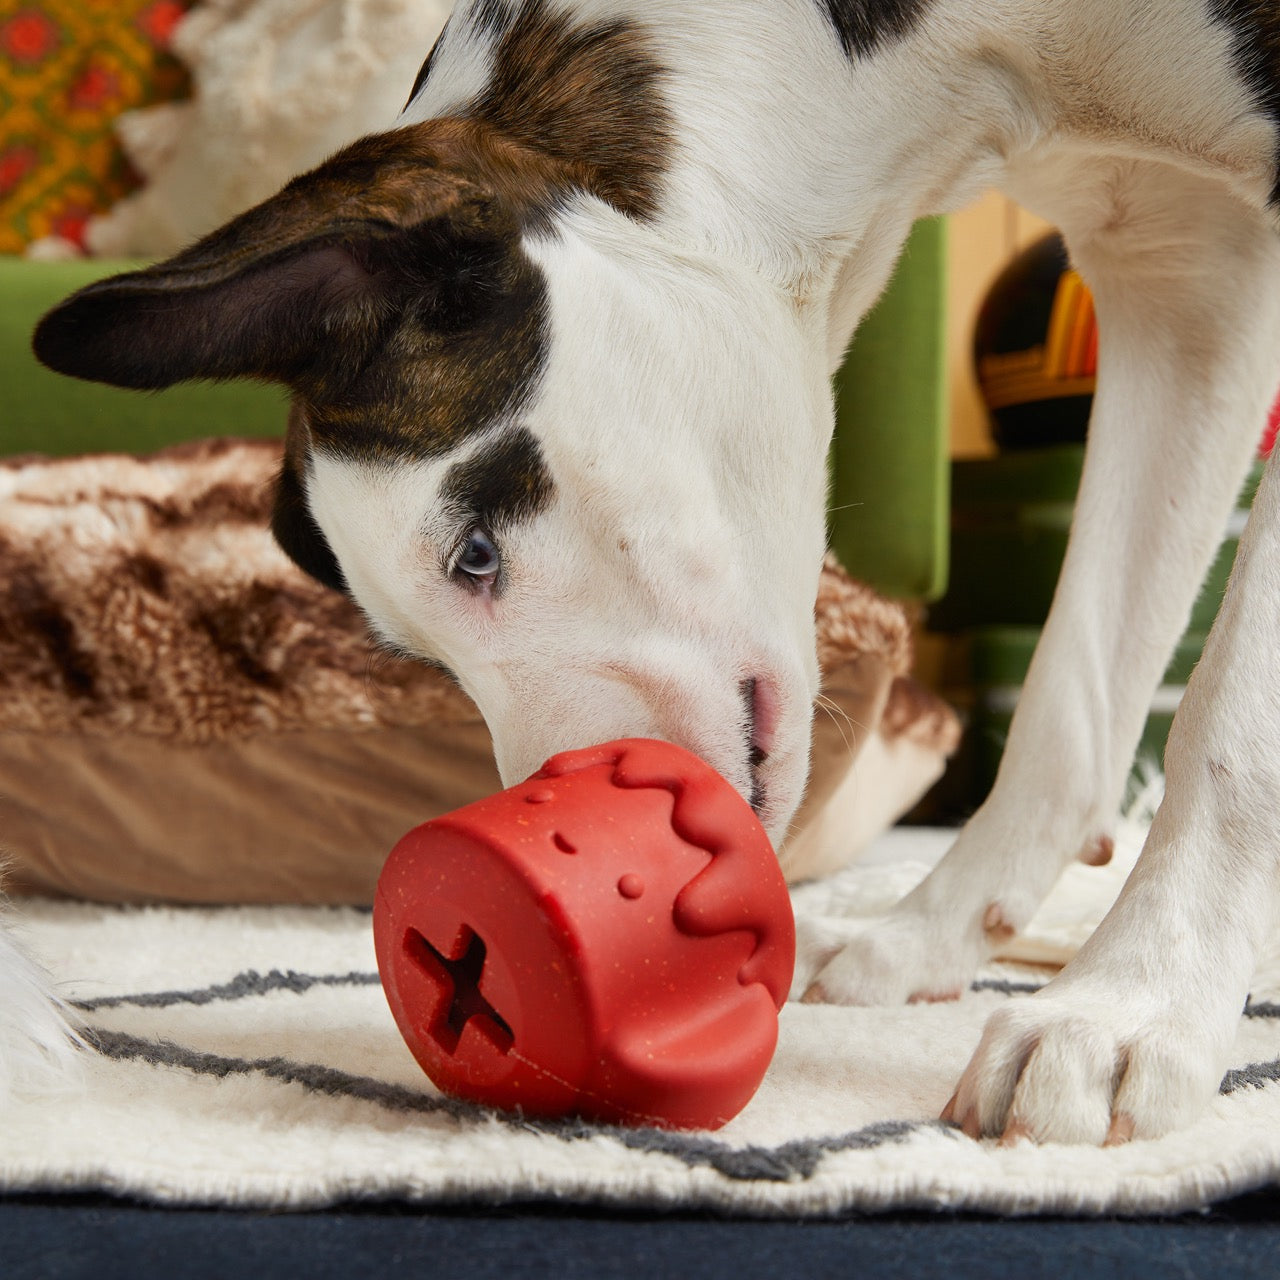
[(560, 346)]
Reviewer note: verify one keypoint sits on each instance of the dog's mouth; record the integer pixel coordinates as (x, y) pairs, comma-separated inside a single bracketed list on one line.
[(761, 715)]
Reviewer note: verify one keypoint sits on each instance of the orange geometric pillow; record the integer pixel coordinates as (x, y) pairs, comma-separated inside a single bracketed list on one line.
[(68, 68)]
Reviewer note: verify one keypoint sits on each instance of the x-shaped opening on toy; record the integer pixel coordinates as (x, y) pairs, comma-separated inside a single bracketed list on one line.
[(457, 978)]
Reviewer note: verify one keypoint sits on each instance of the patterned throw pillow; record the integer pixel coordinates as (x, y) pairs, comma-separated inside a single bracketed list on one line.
[(68, 68)]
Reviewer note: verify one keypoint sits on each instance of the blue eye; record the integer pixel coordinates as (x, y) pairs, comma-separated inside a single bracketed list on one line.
[(478, 558)]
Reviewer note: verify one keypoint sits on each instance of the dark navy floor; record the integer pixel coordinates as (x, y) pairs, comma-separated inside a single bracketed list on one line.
[(57, 1238)]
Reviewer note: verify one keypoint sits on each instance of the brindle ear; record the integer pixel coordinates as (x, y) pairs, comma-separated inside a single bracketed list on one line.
[(292, 523), (326, 266)]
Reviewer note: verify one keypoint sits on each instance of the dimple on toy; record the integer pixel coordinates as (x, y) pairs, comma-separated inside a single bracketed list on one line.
[(611, 938)]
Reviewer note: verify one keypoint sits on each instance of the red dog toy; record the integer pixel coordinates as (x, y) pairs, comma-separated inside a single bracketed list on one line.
[(612, 938)]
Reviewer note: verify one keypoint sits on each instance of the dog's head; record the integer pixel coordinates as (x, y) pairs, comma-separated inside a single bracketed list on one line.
[(580, 471)]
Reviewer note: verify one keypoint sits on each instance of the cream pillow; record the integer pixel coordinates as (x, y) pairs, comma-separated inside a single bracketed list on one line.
[(278, 85), (187, 716)]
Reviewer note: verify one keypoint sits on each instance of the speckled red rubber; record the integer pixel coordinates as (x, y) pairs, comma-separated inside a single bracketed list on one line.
[(612, 938)]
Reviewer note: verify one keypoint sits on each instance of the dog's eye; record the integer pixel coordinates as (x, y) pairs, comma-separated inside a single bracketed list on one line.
[(478, 558)]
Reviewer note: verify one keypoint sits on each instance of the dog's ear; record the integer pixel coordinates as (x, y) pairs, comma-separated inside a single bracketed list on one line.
[(301, 288), (292, 523)]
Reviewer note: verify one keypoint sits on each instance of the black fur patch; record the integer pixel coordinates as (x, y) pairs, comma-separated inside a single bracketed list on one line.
[(1255, 31), (298, 534), (504, 481), (865, 25)]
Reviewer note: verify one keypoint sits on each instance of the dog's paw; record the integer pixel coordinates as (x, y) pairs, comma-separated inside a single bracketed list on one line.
[(1076, 1066), (38, 1042), (932, 944), (910, 956)]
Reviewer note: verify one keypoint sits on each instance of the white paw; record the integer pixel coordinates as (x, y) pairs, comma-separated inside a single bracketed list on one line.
[(1085, 1067), (912, 955), (37, 1040), (930, 947)]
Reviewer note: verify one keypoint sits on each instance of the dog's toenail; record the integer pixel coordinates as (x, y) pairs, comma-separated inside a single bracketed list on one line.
[(934, 997), (1015, 1132), (1098, 851), (1121, 1130), (996, 927)]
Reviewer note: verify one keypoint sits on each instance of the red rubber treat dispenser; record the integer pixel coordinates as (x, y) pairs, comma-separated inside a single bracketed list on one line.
[(611, 938)]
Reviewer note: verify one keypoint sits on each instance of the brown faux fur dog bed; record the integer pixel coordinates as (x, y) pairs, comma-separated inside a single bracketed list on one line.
[(186, 716)]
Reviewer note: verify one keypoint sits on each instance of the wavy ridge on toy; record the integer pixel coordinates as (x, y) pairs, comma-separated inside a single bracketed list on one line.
[(708, 816)]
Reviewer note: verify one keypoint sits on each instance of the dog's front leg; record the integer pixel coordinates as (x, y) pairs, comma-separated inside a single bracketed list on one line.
[(1185, 282), (1132, 1039)]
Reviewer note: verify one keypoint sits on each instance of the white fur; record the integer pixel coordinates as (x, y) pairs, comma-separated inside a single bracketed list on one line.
[(685, 414), (37, 1039)]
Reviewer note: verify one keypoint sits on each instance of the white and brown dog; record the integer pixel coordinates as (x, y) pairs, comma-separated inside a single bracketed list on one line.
[(560, 344)]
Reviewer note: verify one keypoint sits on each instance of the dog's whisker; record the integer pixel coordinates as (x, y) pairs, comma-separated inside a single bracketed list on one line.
[(836, 714)]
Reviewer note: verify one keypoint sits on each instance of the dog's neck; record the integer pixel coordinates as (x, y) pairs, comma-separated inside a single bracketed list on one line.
[(765, 143), (788, 150)]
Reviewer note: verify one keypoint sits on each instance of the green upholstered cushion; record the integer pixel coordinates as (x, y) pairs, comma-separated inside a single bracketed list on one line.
[(891, 453), (44, 412)]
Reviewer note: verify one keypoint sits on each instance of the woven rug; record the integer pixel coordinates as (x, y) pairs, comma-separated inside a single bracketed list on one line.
[(247, 1057)]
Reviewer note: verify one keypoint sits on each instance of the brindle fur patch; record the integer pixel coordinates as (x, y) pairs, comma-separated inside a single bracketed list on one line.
[(292, 524), (590, 97), (1255, 29), (460, 356), (585, 99)]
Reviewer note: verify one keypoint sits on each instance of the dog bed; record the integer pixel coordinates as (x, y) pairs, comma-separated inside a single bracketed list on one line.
[(188, 717)]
